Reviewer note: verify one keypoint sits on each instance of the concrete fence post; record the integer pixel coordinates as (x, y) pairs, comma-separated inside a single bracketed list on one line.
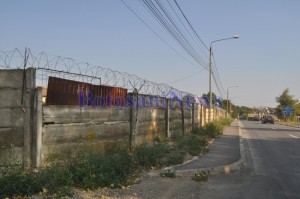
[(167, 118), (200, 114), (193, 115), (28, 95), (133, 119), (37, 121), (204, 111), (182, 119)]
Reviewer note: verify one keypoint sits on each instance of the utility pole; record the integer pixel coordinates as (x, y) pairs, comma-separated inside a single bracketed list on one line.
[(210, 74), (228, 100), (227, 104)]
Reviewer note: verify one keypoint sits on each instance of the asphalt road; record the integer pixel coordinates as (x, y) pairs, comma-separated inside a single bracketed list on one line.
[(272, 169)]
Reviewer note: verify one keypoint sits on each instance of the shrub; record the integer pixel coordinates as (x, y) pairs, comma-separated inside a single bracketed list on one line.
[(150, 155), (55, 179), (18, 181), (213, 129), (93, 170), (173, 157), (176, 135), (225, 121), (88, 170), (192, 144)]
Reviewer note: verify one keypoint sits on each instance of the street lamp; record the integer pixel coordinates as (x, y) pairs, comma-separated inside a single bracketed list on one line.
[(210, 71), (227, 98)]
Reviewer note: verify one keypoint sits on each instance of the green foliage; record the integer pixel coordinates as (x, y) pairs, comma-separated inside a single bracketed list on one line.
[(192, 144), (174, 157), (150, 155), (225, 121), (176, 135), (20, 182), (92, 170), (213, 129), (88, 170), (156, 155), (285, 99), (56, 179), (290, 123), (234, 111), (207, 95), (196, 144), (197, 141), (243, 111), (297, 109)]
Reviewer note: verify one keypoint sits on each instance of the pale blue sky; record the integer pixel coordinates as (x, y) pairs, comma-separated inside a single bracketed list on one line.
[(263, 62)]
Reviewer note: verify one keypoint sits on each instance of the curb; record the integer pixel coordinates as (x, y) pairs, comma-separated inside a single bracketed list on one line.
[(211, 171)]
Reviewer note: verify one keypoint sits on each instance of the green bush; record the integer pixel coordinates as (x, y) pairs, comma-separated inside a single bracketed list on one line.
[(174, 157), (176, 135), (225, 121), (88, 170), (150, 155), (93, 170), (213, 129), (192, 144), (20, 182), (56, 179)]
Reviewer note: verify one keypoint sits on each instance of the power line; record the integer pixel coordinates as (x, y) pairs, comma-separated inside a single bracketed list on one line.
[(175, 26), (184, 78), (157, 34), (159, 11), (218, 76), (173, 30), (190, 25)]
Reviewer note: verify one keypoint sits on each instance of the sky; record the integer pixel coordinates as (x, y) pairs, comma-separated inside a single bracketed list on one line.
[(262, 62)]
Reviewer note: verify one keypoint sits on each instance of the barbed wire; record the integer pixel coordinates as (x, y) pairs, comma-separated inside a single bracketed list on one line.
[(68, 68)]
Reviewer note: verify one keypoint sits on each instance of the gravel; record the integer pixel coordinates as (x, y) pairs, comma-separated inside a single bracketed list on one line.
[(149, 187)]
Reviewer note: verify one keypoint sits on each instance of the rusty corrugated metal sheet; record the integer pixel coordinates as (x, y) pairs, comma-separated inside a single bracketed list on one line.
[(67, 92)]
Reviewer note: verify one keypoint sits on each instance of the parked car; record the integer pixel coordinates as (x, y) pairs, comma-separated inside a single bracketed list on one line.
[(268, 119), (256, 118)]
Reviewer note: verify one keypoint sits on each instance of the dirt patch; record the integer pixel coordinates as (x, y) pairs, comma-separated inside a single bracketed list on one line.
[(149, 187)]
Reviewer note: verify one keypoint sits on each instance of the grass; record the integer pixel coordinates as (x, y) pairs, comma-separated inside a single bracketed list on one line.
[(90, 169), (290, 123)]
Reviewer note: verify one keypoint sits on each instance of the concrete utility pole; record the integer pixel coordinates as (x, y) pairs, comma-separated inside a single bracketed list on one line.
[(210, 74), (227, 99)]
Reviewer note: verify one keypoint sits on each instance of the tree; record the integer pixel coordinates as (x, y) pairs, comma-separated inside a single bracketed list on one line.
[(243, 111), (297, 109), (234, 109), (285, 99), (207, 97)]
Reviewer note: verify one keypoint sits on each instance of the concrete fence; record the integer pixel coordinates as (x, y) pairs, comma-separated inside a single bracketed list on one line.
[(31, 133), (17, 92)]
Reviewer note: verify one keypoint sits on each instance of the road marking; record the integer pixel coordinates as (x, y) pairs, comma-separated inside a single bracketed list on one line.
[(293, 136), (274, 128)]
